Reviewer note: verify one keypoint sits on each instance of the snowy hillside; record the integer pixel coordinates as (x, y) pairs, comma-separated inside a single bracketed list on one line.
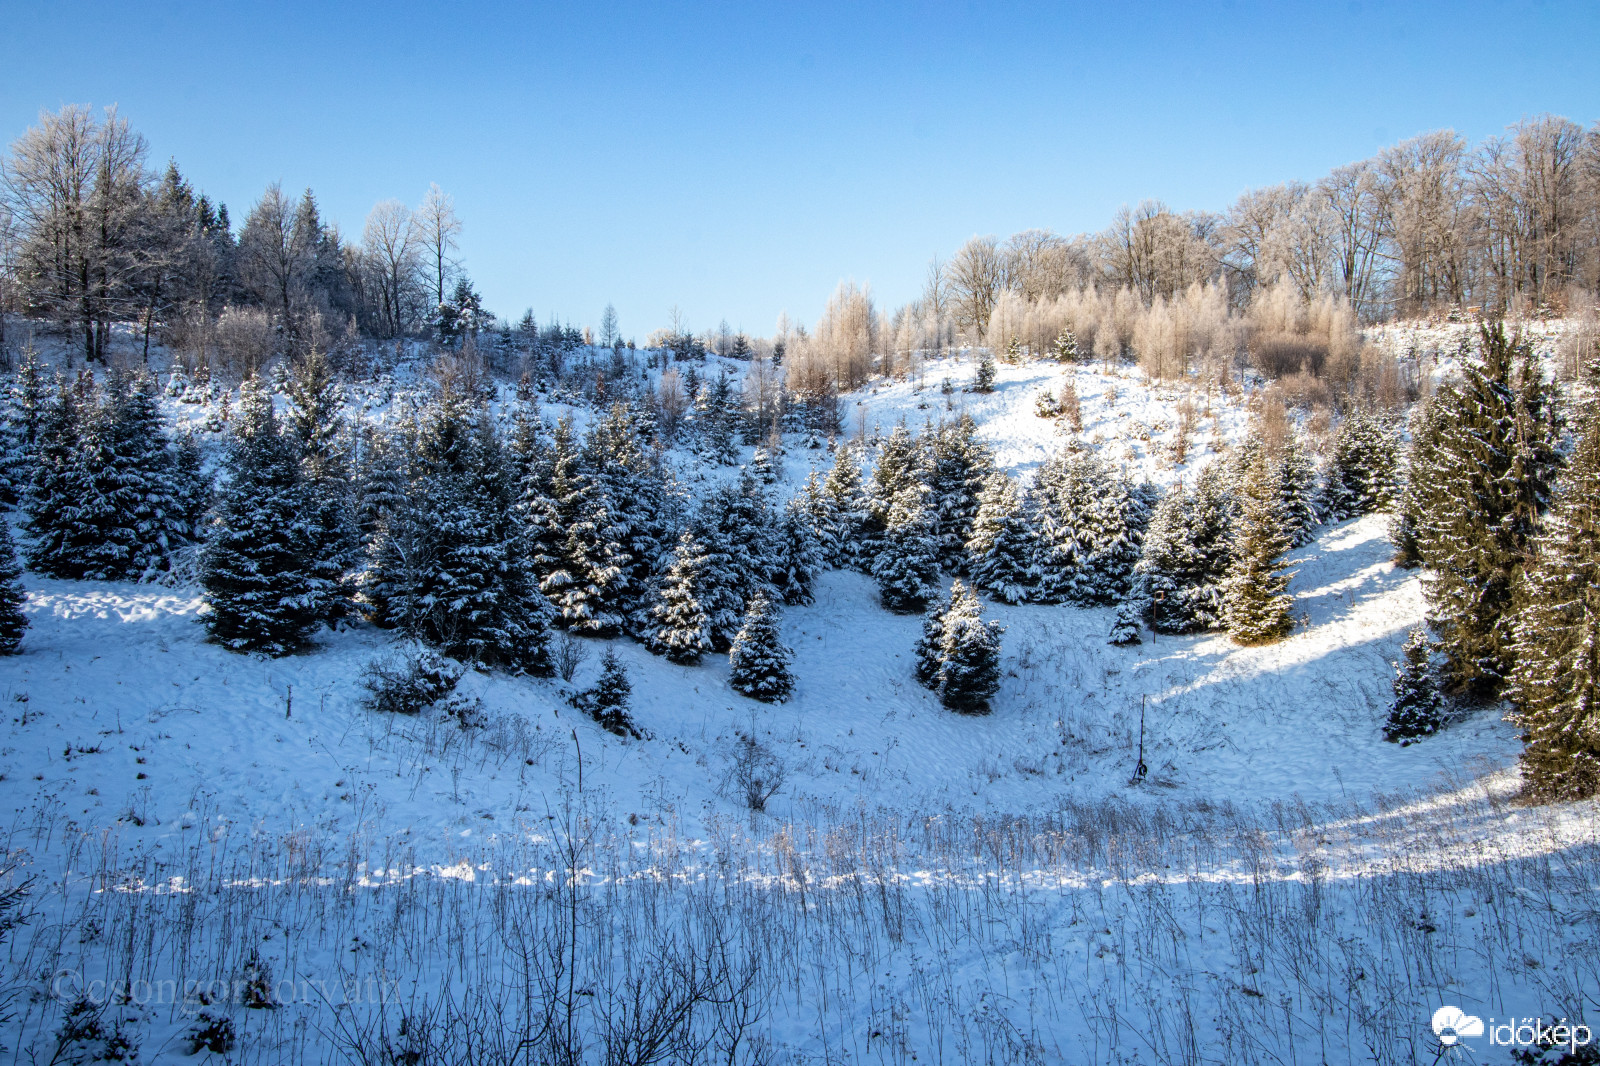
[(921, 886)]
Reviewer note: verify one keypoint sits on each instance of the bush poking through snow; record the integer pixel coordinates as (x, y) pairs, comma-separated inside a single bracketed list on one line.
[(1125, 630), (84, 1037), (211, 1032), (755, 773), (607, 702), (567, 653), (409, 681)]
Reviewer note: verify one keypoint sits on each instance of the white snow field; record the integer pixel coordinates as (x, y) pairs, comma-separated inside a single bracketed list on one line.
[(215, 837)]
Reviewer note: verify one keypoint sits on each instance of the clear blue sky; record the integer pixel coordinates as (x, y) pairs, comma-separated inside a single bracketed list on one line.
[(740, 159)]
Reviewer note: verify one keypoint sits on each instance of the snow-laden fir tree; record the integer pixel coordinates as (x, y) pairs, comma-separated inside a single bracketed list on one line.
[(766, 466), (1418, 707), (795, 555), (1013, 351), (958, 464), (1256, 605), (192, 487), (899, 467), (1066, 346), (1555, 682), (609, 701), (759, 660), (969, 671), (1125, 628), (631, 481), (1492, 469), (140, 482), (1418, 495), (716, 421), (25, 403), (1090, 530), (983, 380), (929, 648), (13, 621), (734, 525), (1296, 475), (841, 512), (381, 479), (907, 566), (1187, 553), (683, 632), (1362, 471), (258, 567), (314, 423), (1002, 550)]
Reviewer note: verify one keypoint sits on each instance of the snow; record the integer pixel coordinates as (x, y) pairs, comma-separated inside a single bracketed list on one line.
[(1032, 904)]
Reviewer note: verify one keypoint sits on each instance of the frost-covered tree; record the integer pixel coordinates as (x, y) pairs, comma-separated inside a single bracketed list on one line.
[(1003, 547), (1492, 470), (1187, 553), (929, 648), (1256, 605), (898, 469), (1555, 683), (840, 511), (1296, 476), (1418, 494), (1065, 347), (983, 380), (1362, 472), (683, 631), (609, 701), (314, 423), (734, 525), (1090, 527), (907, 566), (258, 568), (13, 621), (1125, 628), (758, 660), (1418, 707), (795, 555), (958, 465), (969, 671)]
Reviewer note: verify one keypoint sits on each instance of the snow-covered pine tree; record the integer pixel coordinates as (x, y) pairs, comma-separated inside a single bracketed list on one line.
[(1187, 553), (382, 480), (841, 525), (1296, 475), (734, 524), (315, 424), (907, 566), (1418, 708), (929, 648), (1256, 605), (1555, 683), (608, 702), (766, 466), (983, 380), (1125, 628), (716, 418), (1066, 346), (1090, 530), (683, 632), (257, 568), (25, 403), (1013, 351), (759, 660), (630, 479), (192, 487), (1492, 469), (1362, 472), (970, 672), (13, 621), (958, 465), (1417, 496), (1004, 546), (795, 554), (899, 466)]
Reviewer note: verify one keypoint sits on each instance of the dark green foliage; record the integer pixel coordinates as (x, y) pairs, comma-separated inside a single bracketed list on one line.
[(958, 464), (408, 681), (969, 654), (608, 701), (1362, 472), (1188, 550), (1004, 543), (907, 566), (795, 555), (1418, 707), (1256, 605), (983, 380), (1555, 683), (1418, 495), (1090, 524), (734, 525), (683, 632), (758, 660), (1125, 629), (13, 622), (1491, 470)]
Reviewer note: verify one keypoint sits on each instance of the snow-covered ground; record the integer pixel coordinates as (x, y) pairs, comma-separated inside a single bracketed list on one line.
[(924, 886)]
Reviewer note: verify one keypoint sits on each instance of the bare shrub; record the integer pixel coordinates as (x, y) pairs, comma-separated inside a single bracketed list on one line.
[(567, 653), (755, 773)]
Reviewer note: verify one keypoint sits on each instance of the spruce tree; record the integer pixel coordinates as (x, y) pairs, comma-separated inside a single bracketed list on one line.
[(156, 516), (1362, 472), (958, 465), (734, 525), (257, 568), (1418, 708), (1418, 495), (1002, 550), (1066, 346), (758, 660), (1187, 553), (1125, 629), (795, 555), (907, 566), (1492, 468), (683, 631), (983, 380), (969, 674), (13, 622), (315, 425), (1256, 606), (608, 702), (1296, 476), (1555, 683), (899, 467), (929, 649), (1090, 528)]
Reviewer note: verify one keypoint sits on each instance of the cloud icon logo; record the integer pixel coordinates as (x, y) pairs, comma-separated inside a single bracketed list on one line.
[(1450, 1024)]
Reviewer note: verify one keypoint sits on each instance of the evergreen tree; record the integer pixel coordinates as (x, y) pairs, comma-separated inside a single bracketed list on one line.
[(1125, 629), (1013, 351), (1066, 346), (1418, 708), (983, 380), (26, 401), (1090, 530), (683, 632), (315, 425), (1555, 683), (796, 555), (734, 525), (1004, 543), (759, 660), (1418, 495), (1256, 605), (1361, 474), (192, 487), (608, 702), (929, 649), (1187, 554), (907, 566), (899, 467), (1492, 469), (13, 622), (716, 417), (969, 673), (630, 482), (842, 512), (958, 466), (141, 484), (1296, 476), (257, 568)]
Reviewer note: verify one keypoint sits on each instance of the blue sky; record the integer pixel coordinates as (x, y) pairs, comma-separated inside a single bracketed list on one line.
[(738, 160)]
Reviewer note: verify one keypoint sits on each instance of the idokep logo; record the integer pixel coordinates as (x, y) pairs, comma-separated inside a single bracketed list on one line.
[(1450, 1024)]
